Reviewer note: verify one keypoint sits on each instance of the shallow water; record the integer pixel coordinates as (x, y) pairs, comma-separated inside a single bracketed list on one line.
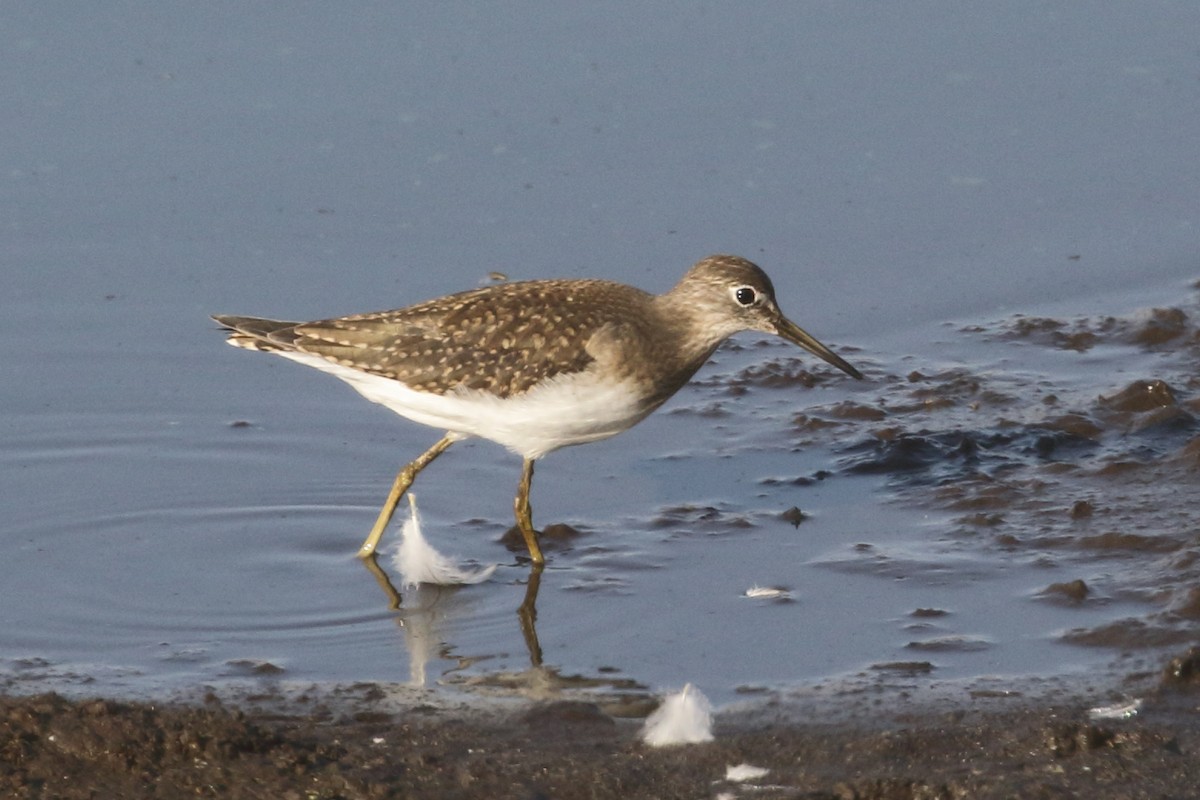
[(179, 513), (941, 533)]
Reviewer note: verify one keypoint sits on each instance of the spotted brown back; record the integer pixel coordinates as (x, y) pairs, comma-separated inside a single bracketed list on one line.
[(500, 339)]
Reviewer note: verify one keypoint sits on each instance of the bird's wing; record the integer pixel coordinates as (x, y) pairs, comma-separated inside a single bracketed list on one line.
[(501, 339)]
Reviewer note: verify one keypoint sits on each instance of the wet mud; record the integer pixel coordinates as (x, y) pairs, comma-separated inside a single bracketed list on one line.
[(342, 746)]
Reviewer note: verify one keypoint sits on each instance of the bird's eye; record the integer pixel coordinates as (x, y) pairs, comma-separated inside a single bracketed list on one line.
[(745, 295)]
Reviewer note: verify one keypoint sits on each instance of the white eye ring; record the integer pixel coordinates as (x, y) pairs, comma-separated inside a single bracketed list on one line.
[(744, 296)]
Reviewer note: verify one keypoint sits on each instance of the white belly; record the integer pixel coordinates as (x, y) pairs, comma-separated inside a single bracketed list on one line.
[(566, 410)]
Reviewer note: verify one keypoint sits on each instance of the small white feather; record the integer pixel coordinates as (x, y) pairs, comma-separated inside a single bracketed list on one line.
[(417, 561), (769, 592), (683, 718), (744, 772), (1119, 711)]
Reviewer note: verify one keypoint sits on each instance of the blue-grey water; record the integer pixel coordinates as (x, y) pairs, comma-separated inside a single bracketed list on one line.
[(917, 178)]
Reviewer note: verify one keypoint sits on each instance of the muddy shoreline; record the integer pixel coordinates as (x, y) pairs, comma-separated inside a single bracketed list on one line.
[(345, 747)]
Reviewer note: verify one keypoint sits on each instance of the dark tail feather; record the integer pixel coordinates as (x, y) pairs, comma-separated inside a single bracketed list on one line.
[(256, 333)]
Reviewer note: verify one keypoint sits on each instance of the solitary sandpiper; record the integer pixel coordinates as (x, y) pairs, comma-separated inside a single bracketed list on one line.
[(534, 365)]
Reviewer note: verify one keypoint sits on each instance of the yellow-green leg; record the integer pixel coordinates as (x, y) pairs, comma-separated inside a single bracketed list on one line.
[(403, 480), (525, 513)]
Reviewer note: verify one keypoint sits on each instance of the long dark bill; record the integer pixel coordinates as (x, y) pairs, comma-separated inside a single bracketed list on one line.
[(797, 335)]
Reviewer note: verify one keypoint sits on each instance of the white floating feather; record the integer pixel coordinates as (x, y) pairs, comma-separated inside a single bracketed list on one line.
[(417, 561), (769, 592), (683, 718)]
